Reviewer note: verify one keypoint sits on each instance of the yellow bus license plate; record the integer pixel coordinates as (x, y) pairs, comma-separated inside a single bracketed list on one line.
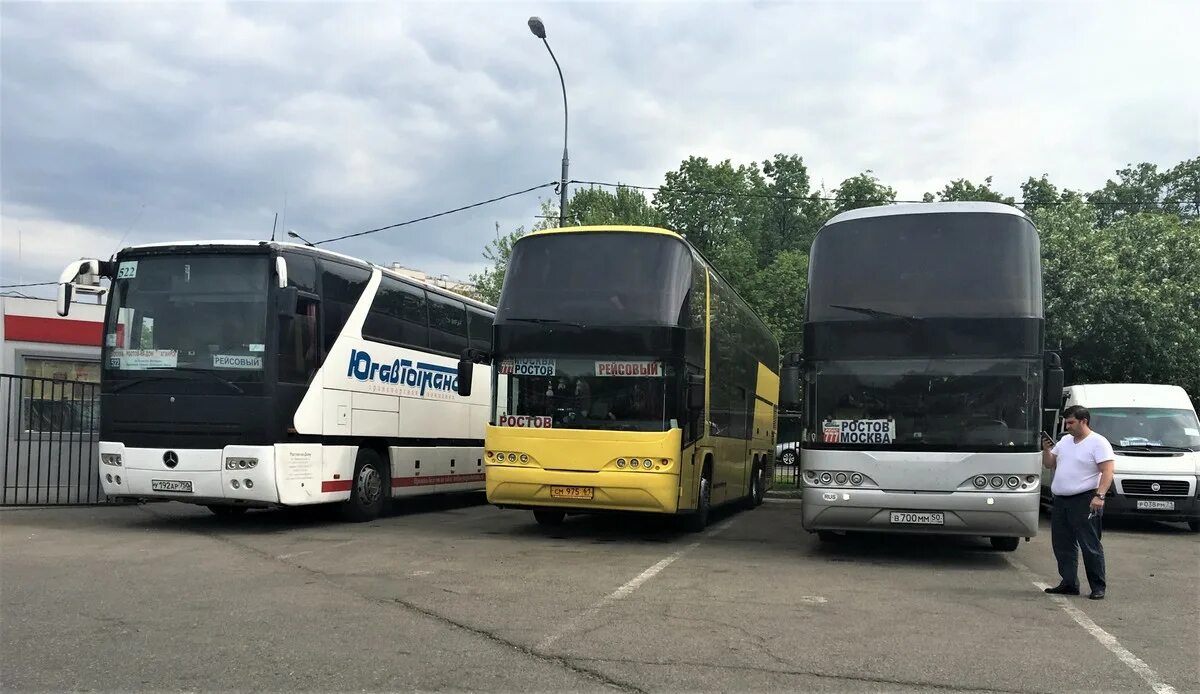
[(571, 492)]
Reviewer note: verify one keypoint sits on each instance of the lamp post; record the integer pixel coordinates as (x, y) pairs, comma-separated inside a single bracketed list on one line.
[(294, 235), (539, 30)]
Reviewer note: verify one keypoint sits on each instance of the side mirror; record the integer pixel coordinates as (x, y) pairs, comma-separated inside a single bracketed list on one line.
[(695, 391), (791, 391), (1053, 395), (281, 272), (65, 293), (286, 300), (466, 370)]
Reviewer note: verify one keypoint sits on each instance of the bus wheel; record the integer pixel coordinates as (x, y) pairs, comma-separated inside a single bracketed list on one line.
[(1194, 526), (1005, 544), (549, 518), (698, 520), (221, 511), (758, 484), (789, 457), (367, 493)]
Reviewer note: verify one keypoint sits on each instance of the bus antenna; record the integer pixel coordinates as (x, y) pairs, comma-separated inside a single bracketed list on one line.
[(274, 225)]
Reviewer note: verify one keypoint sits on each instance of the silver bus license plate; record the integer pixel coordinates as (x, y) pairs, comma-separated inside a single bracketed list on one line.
[(181, 486), (910, 518), (1155, 505)]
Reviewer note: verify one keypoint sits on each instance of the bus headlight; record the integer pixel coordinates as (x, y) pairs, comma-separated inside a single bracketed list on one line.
[(997, 481), (1014, 482), (980, 482), (826, 478), (841, 478), (856, 479), (240, 463), (647, 463), (111, 459), (620, 462)]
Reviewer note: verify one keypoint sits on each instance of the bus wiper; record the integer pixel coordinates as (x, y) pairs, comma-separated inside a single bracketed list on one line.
[(1153, 447), (127, 384), (207, 372), (545, 321), (874, 312)]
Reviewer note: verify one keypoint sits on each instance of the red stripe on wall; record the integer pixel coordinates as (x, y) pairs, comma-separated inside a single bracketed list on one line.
[(58, 331), (435, 479), (336, 485)]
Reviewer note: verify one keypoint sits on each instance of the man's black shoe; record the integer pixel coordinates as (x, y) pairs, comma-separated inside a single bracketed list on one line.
[(1064, 589), (1096, 595)]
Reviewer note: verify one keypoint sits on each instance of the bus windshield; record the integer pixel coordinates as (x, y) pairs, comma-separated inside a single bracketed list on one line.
[(1155, 427), (603, 278), (188, 312), (947, 404), (907, 267), (608, 393)]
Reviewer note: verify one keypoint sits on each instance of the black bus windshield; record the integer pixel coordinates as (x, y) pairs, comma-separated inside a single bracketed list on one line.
[(187, 312), (1147, 427), (597, 278), (607, 393), (971, 265), (926, 404)]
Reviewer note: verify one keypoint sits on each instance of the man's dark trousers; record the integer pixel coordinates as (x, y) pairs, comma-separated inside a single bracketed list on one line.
[(1071, 531)]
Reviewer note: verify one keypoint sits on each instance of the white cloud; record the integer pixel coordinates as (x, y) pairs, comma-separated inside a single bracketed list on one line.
[(209, 115)]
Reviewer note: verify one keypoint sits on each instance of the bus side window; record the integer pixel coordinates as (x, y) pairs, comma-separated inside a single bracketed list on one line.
[(298, 351), (447, 325), (479, 325)]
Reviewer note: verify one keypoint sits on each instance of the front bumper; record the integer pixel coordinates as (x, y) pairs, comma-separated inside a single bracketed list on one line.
[(612, 490), (1007, 514)]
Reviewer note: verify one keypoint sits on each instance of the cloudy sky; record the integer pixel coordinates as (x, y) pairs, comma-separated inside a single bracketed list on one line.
[(131, 123)]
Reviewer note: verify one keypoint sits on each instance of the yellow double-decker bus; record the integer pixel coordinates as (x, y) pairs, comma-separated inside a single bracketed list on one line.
[(628, 375)]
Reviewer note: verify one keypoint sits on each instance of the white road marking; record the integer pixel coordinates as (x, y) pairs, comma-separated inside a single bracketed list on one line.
[(1106, 639), (626, 589)]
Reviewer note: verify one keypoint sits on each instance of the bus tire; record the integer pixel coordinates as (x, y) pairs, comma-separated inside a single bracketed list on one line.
[(697, 521), (549, 518), (368, 493), (1194, 526), (1005, 544), (759, 493), (222, 511)]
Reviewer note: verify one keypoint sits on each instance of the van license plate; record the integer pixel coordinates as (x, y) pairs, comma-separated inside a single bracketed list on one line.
[(908, 518), (181, 486), (1155, 505), (571, 492)]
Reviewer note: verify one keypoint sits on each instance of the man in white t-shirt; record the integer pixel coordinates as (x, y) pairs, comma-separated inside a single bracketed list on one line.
[(1083, 471)]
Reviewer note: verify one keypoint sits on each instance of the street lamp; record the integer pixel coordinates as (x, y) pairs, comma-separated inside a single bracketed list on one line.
[(539, 30), (298, 236)]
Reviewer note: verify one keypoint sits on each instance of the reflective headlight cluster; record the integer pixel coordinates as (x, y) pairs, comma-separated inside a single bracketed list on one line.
[(240, 463), (636, 463), (1009, 482), (111, 459), (834, 478), (506, 457)]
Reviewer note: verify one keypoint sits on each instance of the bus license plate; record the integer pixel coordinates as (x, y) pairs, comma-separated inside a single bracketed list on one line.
[(1155, 505), (908, 518), (571, 492), (182, 486)]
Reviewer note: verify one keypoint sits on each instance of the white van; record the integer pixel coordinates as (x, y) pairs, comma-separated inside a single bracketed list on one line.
[(1155, 434)]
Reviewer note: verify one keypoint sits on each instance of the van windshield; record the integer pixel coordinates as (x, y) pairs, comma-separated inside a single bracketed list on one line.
[(1155, 427)]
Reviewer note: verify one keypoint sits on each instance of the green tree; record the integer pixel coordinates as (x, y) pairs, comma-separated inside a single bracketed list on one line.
[(777, 294), (1181, 189), (963, 190), (1137, 189), (710, 203), (863, 190), (487, 284), (596, 206)]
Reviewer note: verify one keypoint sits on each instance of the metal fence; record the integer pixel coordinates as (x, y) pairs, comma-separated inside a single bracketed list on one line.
[(50, 441), (787, 465)]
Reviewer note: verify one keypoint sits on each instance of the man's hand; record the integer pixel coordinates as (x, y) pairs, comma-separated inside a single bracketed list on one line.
[(1096, 505)]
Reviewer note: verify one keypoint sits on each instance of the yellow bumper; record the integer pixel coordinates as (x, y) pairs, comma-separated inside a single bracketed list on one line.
[(583, 463)]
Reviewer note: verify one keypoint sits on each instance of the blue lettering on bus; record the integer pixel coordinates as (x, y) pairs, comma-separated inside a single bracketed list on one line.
[(403, 372)]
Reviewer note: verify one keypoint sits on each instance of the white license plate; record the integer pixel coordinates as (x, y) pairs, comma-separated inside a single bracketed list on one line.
[(1155, 505), (181, 486), (909, 518)]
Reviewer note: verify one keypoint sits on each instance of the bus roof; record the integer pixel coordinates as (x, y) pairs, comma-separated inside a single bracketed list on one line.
[(926, 208), (318, 251), (608, 227)]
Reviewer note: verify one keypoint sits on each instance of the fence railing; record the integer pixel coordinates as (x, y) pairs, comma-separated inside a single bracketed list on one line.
[(50, 438), (787, 465)]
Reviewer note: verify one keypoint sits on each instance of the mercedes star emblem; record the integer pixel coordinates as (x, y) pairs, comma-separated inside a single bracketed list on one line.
[(170, 459)]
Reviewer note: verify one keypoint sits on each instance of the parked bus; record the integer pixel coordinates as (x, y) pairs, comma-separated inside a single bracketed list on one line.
[(628, 375), (924, 375), (250, 374)]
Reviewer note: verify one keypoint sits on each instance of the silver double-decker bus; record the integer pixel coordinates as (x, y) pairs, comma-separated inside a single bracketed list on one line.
[(924, 373)]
